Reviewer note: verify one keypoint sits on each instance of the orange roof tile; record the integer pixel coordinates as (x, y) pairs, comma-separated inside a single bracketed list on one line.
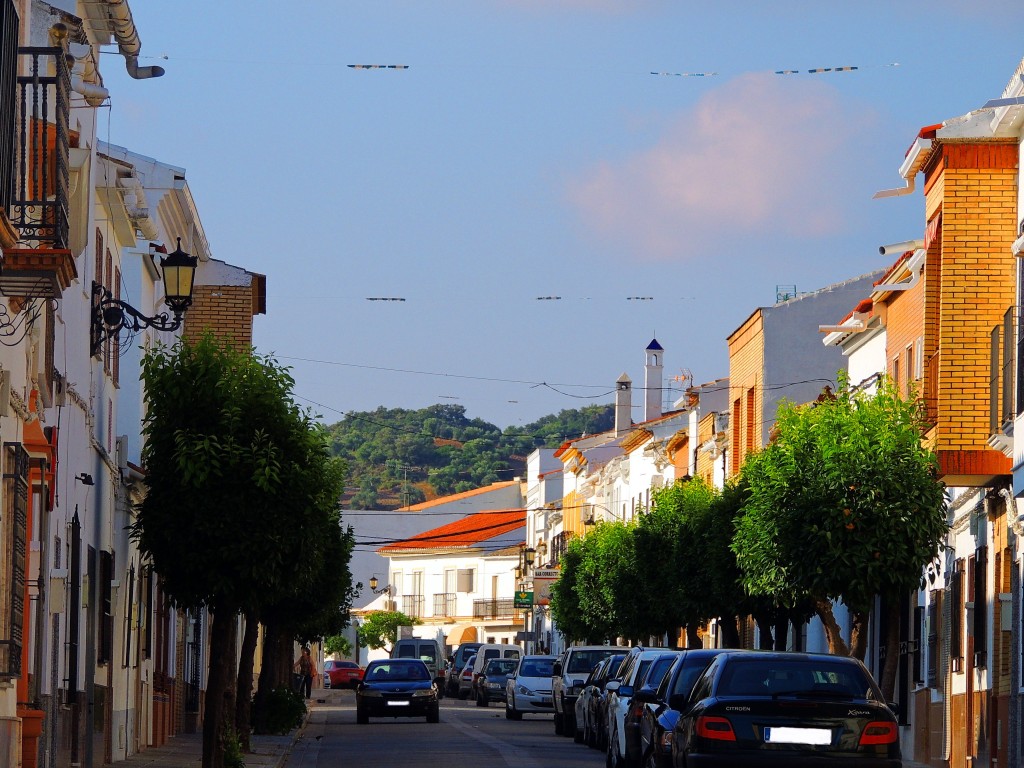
[(466, 532)]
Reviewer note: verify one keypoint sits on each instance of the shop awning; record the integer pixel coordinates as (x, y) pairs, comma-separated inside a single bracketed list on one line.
[(460, 633)]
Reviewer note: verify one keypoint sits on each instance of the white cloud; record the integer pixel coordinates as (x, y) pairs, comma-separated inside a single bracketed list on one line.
[(760, 154)]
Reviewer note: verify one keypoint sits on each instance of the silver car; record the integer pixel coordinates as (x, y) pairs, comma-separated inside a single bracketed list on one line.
[(529, 688)]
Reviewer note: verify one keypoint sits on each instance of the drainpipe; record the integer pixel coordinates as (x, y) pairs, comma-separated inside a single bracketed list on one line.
[(128, 40)]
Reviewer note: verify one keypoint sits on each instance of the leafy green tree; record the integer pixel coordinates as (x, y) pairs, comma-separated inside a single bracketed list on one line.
[(380, 628), (337, 644), (844, 504), (234, 486)]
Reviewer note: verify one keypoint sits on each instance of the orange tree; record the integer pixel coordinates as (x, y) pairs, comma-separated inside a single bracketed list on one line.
[(843, 504), (241, 491)]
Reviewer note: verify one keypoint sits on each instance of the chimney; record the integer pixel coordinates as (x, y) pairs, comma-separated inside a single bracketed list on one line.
[(623, 404), (652, 380)]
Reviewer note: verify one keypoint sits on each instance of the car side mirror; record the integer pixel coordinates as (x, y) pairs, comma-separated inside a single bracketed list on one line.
[(646, 696), (556, 670), (612, 686)]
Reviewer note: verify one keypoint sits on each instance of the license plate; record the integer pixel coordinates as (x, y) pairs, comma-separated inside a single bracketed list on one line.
[(812, 736), (398, 703)]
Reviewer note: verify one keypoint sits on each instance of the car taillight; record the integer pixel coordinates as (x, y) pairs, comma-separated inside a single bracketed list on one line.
[(638, 710), (717, 728), (878, 732)]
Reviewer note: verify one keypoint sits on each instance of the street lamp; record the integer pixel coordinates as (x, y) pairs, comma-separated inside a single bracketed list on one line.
[(110, 315), (373, 587)]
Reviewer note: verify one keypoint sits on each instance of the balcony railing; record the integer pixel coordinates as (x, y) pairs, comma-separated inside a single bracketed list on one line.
[(39, 209), (444, 604), (412, 605), (494, 608), (8, 79)]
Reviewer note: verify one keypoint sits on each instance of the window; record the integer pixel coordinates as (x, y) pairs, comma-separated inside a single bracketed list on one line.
[(895, 372), (105, 647), (956, 616), (979, 629), (919, 358), (932, 632), (466, 579)]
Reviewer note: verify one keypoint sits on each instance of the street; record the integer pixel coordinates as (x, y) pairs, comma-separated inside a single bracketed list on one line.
[(466, 735)]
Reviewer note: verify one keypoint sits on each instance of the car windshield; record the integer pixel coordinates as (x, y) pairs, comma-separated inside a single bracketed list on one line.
[(537, 668), (584, 661), (396, 670), (795, 677), (500, 667)]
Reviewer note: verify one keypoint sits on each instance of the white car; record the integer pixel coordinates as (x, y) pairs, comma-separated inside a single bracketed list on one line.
[(529, 688), (619, 693)]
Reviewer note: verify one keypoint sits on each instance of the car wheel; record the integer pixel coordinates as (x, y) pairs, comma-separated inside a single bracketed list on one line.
[(559, 724), (481, 700), (361, 717), (569, 724), (434, 714), (511, 713), (579, 734)]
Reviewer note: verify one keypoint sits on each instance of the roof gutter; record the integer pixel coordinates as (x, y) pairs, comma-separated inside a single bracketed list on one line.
[(912, 163), (127, 38)]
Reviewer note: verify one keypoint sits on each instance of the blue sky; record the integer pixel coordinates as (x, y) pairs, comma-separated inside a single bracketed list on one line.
[(528, 152)]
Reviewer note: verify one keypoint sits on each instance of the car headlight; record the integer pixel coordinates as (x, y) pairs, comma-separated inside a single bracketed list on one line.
[(424, 692), (524, 690)]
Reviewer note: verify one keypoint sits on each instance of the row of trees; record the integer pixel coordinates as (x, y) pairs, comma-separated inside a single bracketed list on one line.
[(241, 517), (842, 506)]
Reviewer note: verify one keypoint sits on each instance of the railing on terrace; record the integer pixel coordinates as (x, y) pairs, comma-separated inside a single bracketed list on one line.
[(39, 208), (444, 604), (412, 605), (495, 608)]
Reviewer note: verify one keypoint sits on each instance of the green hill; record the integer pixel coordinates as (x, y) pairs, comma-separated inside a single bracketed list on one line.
[(398, 457)]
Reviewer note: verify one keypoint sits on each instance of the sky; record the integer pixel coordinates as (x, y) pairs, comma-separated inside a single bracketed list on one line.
[(542, 204)]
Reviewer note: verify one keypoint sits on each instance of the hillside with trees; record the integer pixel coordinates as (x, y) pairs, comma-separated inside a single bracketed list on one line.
[(398, 457)]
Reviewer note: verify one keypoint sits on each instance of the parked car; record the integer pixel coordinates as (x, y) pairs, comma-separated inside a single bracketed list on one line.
[(663, 705), (570, 673), (493, 681), (589, 707), (427, 651), (456, 662), (765, 708), (466, 679), (341, 674), (529, 688), (398, 687), (650, 679), (488, 651), (620, 692)]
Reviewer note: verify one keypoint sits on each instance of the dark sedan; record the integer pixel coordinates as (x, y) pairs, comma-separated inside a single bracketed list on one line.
[(662, 705), (396, 688), (783, 709)]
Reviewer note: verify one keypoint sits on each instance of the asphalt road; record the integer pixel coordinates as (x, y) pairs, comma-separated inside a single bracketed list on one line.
[(466, 735)]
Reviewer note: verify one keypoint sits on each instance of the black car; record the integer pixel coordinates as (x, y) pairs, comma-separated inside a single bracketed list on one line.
[(662, 704), (396, 688), (492, 685), (456, 663), (752, 708)]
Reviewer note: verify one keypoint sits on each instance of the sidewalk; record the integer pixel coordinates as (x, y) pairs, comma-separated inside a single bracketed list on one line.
[(186, 750)]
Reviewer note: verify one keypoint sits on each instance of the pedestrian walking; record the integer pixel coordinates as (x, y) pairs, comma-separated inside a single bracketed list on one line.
[(306, 668)]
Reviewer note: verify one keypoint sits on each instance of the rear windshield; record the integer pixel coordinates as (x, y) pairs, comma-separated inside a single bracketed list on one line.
[(775, 677), (584, 661), (658, 671), (693, 666), (537, 668), (396, 670), (425, 651)]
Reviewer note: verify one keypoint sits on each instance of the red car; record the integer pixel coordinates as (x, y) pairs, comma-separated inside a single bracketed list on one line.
[(342, 674)]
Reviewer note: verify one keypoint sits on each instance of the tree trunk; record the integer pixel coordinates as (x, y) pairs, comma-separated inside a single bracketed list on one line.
[(892, 649), (692, 638), (859, 633), (781, 629), (765, 641), (730, 632), (836, 644), (218, 687), (243, 703)]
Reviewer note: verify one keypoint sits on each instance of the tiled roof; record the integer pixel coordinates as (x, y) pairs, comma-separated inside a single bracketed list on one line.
[(458, 496), (469, 531)]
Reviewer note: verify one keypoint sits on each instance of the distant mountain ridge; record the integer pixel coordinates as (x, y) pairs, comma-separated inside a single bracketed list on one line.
[(398, 457)]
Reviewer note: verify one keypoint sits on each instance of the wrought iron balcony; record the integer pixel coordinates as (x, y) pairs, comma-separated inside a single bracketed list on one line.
[(412, 605), (494, 608), (444, 604), (39, 208)]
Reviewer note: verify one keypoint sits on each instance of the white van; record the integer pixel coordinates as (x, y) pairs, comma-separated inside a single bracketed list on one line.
[(428, 651), (489, 651)]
